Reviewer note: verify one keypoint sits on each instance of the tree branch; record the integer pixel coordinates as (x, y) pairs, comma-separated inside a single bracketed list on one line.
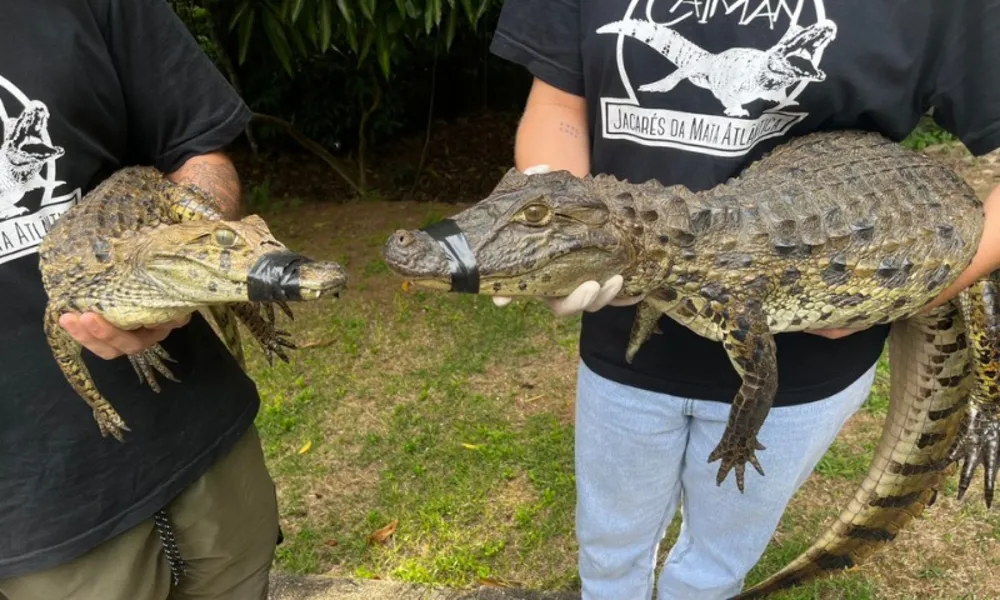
[(309, 145)]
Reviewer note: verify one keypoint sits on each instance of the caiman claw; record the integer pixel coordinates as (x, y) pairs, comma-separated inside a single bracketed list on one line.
[(735, 453), (978, 443)]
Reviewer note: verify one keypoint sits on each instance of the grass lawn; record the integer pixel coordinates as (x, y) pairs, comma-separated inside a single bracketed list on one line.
[(428, 437)]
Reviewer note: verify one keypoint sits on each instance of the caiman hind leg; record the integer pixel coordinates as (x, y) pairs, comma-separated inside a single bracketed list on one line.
[(68, 356), (930, 376), (978, 442), (750, 345)]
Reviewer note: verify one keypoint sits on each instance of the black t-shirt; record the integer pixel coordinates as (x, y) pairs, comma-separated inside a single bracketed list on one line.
[(86, 87), (691, 92)]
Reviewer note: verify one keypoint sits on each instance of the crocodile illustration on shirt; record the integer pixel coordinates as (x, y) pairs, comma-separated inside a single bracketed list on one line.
[(23, 153), (737, 76)]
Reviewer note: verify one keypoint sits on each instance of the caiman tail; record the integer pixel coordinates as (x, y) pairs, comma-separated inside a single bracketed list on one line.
[(930, 364), (672, 45)]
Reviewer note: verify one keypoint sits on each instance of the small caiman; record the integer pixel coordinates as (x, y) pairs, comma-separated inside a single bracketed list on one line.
[(140, 250), (842, 229)]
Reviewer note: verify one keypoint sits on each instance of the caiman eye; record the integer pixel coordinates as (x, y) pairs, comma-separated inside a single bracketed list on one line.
[(225, 237), (536, 214)]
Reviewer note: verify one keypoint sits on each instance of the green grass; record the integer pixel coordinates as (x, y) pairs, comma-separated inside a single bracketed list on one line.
[(480, 488), (927, 133), (451, 419)]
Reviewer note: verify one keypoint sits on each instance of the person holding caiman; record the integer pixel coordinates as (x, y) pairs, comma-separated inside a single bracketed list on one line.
[(691, 94)]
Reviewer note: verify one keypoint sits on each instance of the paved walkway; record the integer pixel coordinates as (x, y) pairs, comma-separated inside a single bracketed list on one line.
[(292, 587)]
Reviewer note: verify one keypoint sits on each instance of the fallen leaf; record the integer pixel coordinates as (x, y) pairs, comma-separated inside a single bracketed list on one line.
[(331, 543), (382, 535), (315, 344), (306, 447), (470, 446), (406, 286)]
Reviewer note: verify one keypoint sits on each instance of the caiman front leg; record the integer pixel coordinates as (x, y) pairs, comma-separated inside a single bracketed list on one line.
[(272, 340), (67, 354), (978, 442), (750, 345), (151, 359), (647, 315)]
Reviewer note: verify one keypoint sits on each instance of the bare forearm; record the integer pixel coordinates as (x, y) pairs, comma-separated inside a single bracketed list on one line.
[(215, 174), (553, 131)]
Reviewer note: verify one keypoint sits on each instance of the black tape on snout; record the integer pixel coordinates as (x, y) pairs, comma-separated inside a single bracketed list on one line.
[(461, 260), (275, 276)]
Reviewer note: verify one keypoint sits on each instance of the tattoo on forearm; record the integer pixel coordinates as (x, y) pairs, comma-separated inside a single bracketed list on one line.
[(569, 129), (218, 179)]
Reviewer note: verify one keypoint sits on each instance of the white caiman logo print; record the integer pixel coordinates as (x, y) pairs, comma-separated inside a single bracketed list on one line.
[(22, 156), (736, 77), (28, 158)]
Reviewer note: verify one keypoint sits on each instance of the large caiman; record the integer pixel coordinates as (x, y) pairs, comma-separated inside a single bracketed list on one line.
[(842, 229), (140, 250)]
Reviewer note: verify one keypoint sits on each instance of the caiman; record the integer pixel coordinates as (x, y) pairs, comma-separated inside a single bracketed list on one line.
[(140, 251), (829, 230)]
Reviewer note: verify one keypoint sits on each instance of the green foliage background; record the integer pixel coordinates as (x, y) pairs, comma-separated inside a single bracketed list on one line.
[(350, 75), (355, 73)]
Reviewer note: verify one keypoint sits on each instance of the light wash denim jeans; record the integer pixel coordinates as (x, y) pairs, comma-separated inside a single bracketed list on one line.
[(640, 453)]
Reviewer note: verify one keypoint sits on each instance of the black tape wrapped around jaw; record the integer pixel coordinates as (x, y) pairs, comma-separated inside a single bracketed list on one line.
[(461, 260), (275, 276)]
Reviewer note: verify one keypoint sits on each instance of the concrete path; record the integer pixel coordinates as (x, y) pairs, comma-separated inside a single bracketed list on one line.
[(293, 587)]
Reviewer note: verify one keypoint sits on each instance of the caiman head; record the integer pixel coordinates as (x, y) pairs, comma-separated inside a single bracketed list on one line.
[(23, 147), (534, 235), (794, 57), (208, 262)]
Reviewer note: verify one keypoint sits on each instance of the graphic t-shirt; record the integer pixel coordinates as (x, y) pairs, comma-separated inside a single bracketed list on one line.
[(690, 92), (86, 87)]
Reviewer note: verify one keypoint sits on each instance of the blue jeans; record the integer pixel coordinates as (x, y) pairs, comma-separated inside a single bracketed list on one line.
[(637, 451)]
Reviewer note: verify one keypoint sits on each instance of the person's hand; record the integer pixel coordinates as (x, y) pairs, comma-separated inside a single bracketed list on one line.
[(94, 333), (589, 296)]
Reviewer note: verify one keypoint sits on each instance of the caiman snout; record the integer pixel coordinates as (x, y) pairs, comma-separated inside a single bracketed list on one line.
[(285, 275), (415, 254)]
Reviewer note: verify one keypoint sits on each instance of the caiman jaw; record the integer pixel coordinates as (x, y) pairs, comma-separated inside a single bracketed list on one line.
[(285, 275), (317, 279)]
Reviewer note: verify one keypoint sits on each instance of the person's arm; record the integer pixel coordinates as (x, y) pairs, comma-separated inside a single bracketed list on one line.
[(545, 39), (213, 173), (553, 131)]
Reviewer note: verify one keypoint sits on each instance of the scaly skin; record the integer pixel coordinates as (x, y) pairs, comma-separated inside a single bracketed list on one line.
[(980, 428), (943, 409), (140, 251), (831, 230)]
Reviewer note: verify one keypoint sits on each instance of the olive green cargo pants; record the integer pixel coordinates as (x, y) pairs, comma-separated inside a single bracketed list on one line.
[(226, 528)]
